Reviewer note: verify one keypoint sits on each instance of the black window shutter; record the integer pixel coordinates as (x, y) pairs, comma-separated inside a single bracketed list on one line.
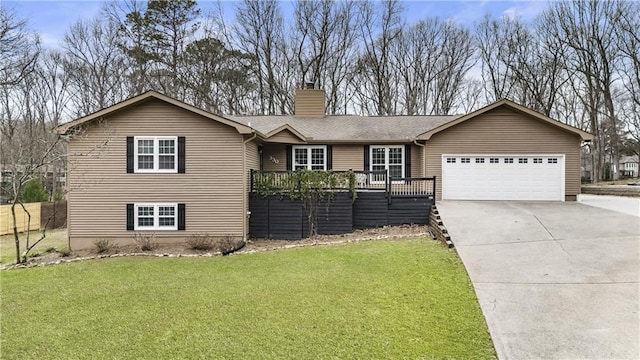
[(407, 160), (181, 154), (366, 158), (289, 157), (181, 217), (129, 154), (329, 157), (130, 217)]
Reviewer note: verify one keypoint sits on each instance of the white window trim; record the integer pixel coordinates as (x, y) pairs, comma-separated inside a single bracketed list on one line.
[(156, 154), (156, 216), (386, 159), (308, 148)]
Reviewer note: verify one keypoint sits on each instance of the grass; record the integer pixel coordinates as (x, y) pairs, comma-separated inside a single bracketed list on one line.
[(55, 238), (380, 299)]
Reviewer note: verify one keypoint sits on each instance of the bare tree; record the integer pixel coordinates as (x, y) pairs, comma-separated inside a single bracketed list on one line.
[(216, 78), (95, 65), (27, 146), (451, 67), (587, 29), (522, 62), (628, 38), (19, 49), (260, 32), (381, 25), (470, 97), (495, 55), (415, 53), (325, 41)]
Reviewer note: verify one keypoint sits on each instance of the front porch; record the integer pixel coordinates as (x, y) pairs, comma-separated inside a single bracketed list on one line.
[(367, 199), (364, 181)]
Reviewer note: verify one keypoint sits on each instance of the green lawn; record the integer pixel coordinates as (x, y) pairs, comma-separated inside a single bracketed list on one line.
[(55, 239), (377, 299)]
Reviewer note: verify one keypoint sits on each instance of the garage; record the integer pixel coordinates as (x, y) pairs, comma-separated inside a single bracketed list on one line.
[(503, 177), (505, 151)]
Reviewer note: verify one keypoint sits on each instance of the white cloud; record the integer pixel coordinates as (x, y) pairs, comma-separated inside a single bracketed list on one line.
[(526, 10)]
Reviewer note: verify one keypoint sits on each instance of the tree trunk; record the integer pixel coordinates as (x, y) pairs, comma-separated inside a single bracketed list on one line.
[(15, 231)]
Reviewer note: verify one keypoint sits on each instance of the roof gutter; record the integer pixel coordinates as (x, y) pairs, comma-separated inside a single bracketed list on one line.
[(255, 135)]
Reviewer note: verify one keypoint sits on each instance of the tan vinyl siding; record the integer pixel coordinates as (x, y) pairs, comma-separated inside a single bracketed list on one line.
[(100, 188), (285, 137), (253, 156), (347, 157), (272, 153), (503, 131), (416, 161), (309, 103)]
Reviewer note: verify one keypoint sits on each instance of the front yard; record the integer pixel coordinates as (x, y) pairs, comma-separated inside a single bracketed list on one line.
[(377, 299), (55, 239)]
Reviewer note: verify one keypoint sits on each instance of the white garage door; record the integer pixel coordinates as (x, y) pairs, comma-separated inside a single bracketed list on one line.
[(503, 177)]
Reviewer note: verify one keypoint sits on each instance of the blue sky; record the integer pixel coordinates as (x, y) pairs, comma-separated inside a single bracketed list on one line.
[(51, 18)]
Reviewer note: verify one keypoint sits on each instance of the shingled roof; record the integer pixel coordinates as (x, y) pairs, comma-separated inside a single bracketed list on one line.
[(348, 128)]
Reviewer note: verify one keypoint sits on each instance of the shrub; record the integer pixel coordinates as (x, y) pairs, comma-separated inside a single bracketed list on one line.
[(223, 244), (200, 242), (145, 242), (227, 244), (34, 191), (104, 245)]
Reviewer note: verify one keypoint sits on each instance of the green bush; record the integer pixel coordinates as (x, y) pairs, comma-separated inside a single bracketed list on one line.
[(34, 191)]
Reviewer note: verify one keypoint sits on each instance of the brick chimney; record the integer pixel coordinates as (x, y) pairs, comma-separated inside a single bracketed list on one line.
[(309, 102)]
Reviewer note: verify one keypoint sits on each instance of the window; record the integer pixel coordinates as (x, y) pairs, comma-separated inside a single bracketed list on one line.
[(389, 158), (537, 160), (156, 216), (155, 154), (523, 160), (309, 157), (494, 160), (465, 160), (479, 160), (552, 160), (451, 160), (508, 160)]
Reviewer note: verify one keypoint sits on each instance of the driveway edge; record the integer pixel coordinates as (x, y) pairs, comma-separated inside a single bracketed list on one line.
[(437, 228)]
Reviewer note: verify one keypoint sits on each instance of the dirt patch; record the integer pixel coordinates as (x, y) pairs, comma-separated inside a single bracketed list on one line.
[(251, 246), (386, 232)]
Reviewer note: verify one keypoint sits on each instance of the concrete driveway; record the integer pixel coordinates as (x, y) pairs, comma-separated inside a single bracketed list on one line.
[(554, 280), (627, 205)]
